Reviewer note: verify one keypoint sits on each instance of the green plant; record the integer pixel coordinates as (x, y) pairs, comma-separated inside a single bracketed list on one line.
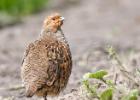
[(107, 94), (132, 95), (114, 56), (98, 75), (21, 7), (111, 90), (92, 89)]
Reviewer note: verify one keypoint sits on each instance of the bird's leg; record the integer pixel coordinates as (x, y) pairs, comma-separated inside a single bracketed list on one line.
[(45, 97)]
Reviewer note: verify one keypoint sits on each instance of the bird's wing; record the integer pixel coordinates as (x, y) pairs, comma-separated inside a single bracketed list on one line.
[(59, 62), (31, 45), (65, 65), (53, 72), (53, 66)]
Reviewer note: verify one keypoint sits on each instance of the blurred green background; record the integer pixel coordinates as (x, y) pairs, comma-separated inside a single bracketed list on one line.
[(21, 7), (13, 10)]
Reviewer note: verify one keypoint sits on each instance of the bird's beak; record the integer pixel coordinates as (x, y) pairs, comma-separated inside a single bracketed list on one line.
[(62, 18)]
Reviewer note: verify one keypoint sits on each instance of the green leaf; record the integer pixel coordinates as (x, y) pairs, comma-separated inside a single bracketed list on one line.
[(98, 75), (107, 94), (85, 83), (90, 90), (110, 83), (138, 71), (133, 95)]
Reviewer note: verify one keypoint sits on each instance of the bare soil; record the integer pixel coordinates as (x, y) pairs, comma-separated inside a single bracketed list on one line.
[(90, 25)]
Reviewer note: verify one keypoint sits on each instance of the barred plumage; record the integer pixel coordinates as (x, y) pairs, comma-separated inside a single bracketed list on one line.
[(47, 62)]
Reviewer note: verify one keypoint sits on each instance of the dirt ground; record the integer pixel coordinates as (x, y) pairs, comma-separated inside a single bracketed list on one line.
[(89, 25)]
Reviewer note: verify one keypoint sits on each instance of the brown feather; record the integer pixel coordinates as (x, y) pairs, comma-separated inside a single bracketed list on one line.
[(47, 62)]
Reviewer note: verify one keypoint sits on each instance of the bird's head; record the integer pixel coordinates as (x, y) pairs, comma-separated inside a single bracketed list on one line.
[(53, 23)]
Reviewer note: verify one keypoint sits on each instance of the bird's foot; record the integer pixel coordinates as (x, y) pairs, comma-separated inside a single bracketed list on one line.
[(45, 98)]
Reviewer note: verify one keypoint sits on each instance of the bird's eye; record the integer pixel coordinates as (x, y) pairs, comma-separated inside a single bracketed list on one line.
[(53, 18)]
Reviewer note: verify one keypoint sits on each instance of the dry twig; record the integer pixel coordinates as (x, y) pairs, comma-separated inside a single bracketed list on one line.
[(114, 55)]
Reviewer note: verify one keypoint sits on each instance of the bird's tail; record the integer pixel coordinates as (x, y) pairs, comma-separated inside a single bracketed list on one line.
[(31, 90)]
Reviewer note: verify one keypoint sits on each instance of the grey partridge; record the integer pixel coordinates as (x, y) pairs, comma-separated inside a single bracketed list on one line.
[(47, 62)]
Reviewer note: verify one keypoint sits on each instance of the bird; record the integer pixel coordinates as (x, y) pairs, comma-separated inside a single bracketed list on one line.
[(47, 61)]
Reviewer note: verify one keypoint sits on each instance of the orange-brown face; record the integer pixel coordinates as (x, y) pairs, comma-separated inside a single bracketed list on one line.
[(53, 22)]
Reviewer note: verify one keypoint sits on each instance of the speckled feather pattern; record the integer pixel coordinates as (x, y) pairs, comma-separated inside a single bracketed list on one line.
[(46, 66)]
